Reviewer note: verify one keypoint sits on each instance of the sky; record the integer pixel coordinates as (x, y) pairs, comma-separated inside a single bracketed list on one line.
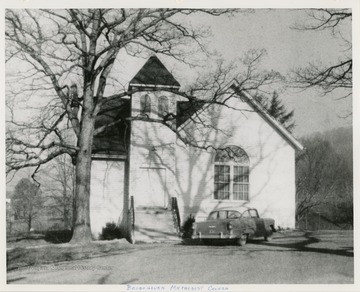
[(287, 49)]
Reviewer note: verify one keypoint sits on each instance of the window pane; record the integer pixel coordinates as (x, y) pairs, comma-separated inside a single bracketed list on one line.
[(163, 107), (145, 104), (232, 153), (222, 215), (231, 185), (222, 182), (213, 216), (241, 174), (246, 214), (253, 214), (233, 214), (241, 183)]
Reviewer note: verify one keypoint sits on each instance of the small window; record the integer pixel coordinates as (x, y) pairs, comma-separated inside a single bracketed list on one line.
[(145, 105), (163, 108)]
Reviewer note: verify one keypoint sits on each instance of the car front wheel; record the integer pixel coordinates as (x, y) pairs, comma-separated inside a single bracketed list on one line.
[(268, 236)]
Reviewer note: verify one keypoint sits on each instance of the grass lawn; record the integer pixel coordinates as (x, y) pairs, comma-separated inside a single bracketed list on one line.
[(50, 253)]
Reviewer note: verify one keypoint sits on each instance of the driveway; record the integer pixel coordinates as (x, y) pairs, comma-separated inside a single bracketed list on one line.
[(290, 258)]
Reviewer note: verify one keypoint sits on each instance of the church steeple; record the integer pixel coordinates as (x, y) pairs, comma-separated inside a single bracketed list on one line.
[(154, 74)]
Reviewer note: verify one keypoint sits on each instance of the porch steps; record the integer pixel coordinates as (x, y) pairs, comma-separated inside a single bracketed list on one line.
[(154, 225)]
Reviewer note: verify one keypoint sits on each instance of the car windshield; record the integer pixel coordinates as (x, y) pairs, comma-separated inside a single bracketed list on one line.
[(250, 214)]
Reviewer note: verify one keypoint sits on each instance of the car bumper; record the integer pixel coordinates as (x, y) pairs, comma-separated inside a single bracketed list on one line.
[(199, 235)]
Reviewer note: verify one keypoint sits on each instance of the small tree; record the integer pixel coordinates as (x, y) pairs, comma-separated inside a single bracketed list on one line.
[(27, 201)]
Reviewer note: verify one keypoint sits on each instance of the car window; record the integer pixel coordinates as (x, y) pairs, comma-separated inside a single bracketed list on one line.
[(246, 214), (213, 216), (253, 213), (233, 214), (222, 215)]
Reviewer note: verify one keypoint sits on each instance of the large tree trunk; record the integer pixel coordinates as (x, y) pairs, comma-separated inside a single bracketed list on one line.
[(82, 230)]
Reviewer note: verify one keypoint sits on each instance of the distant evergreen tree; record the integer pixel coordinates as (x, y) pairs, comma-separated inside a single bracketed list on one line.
[(277, 110)]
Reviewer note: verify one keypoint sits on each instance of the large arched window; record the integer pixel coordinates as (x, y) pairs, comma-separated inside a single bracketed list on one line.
[(145, 105), (163, 107), (231, 174)]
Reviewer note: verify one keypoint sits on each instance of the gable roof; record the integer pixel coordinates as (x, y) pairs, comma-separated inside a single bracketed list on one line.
[(154, 73), (112, 141), (185, 110), (257, 107), (267, 117)]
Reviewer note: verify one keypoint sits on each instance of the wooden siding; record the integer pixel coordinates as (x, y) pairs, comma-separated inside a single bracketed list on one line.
[(107, 194), (152, 146), (272, 165)]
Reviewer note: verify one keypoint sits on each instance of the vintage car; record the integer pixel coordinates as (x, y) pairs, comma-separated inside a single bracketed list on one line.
[(238, 225)]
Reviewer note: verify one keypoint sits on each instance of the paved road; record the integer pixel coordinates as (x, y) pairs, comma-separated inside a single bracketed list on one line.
[(324, 257)]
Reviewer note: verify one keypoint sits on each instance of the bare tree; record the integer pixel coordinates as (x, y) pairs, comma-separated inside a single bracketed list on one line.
[(323, 181), (79, 48), (68, 59), (337, 75), (277, 110), (27, 201), (57, 183)]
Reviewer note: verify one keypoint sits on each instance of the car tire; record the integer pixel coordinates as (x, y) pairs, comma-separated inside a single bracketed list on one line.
[(242, 240), (268, 237)]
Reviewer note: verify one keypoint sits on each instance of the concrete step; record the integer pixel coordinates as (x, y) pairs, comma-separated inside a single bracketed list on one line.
[(154, 225)]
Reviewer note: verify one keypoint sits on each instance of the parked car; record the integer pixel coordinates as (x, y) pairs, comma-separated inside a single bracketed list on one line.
[(239, 225)]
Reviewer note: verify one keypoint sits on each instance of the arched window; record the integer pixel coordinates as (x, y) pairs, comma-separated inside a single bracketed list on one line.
[(231, 174), (145, 105), (163, 107)]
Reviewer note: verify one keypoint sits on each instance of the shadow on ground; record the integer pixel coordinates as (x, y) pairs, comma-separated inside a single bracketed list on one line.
[(287, 242)]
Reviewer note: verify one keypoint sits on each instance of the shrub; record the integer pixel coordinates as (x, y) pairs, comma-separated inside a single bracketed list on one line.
[(58, 236), (187, 228), (111, 231)]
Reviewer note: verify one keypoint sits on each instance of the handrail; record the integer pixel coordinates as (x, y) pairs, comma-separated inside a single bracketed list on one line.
[(131, 221), (176, 214), (132, 208)]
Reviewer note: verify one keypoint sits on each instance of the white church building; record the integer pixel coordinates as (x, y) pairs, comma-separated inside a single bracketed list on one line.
[(148, 177)]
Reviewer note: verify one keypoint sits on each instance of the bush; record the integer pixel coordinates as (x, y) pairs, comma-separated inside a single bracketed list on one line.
[(111, 231), (187, 228), (58, 236)]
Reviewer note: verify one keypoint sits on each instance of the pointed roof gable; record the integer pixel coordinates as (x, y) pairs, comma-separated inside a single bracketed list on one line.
[(267, 117), (234, 85), (154, 73)]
